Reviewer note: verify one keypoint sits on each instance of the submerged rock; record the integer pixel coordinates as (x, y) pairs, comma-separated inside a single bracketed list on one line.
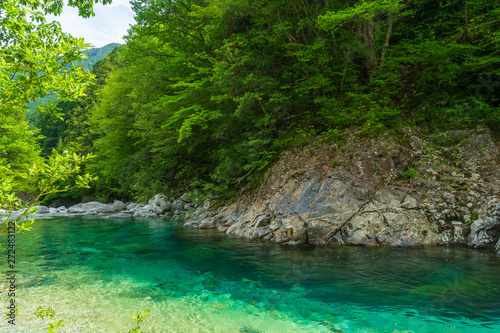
[(247, 329)]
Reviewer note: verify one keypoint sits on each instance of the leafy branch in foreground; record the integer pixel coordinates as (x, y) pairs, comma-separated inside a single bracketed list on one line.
[(59, 173)]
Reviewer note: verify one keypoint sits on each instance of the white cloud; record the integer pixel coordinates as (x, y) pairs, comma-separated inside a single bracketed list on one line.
[(109, 24)]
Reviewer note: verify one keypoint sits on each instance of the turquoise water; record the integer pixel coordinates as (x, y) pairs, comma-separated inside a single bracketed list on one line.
[(96, 274)]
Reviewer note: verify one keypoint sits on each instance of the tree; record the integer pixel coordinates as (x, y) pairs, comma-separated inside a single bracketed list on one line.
[(34, 55), (366, 13), (35, 60), (207, 93)]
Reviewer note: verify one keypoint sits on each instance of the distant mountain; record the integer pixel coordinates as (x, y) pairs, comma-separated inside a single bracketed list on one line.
[(96, 54), (93, 56)]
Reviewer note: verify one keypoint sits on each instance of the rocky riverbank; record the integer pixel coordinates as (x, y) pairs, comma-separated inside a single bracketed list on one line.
[(409, 191), (158, 206), (413, 191)]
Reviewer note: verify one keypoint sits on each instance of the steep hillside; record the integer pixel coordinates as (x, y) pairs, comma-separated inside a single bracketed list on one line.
[(96, 54), (377, 192)]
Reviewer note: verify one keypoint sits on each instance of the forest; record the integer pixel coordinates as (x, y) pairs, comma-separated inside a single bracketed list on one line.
[(206, 94)]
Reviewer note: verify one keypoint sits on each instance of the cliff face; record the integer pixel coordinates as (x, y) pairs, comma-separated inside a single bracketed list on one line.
[(443, 190)]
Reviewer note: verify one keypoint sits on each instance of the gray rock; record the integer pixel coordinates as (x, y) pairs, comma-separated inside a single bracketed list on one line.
[(119, 206), (364, 199), (145, 213), (448, 197), (42, 209), (53, 210), (104, 209), (177, 205), (75, 210), (91, 205), (262, 221), (208, 224), (179, 212), (208, 203), (159, 204), (485, 232), (189, 206), (167, 214), (497, 248), (61, 209)]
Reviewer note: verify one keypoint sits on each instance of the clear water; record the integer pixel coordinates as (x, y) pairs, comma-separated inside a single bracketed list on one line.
[(96, 274)]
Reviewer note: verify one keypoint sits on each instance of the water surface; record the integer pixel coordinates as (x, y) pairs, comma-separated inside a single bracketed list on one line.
[(96, 274)]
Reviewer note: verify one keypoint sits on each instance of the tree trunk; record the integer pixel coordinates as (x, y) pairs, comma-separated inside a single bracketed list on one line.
[(387, 37), (466, 32), (369, 43)]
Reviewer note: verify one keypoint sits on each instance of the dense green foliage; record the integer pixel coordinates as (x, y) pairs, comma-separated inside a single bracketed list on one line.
[(207, 93), (91, 57), (53, 128), (35, 61)]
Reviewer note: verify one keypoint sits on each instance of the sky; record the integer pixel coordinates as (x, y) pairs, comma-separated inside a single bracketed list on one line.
[(109, 24)]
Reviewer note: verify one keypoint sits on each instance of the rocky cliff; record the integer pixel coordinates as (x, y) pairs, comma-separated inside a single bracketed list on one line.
[(409, 191)]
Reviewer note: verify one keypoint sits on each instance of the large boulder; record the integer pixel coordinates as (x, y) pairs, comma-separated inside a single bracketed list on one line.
[(105, 209), (119, 206), (159, 204), (485, 232), (132, 206), (75, 210), (92, 205), (61, 209), (42, 209), (178, 205)]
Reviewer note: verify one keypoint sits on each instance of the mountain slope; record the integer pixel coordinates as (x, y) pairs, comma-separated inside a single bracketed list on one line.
[(96, 54), (93, 56)]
